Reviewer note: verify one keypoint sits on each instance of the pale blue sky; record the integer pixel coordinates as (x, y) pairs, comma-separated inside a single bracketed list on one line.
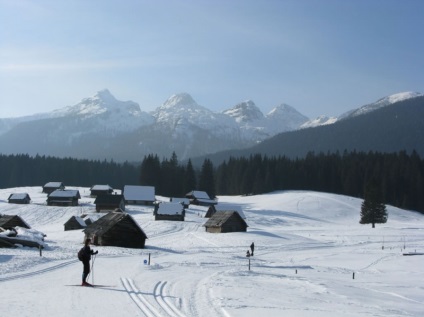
[(319, 56)]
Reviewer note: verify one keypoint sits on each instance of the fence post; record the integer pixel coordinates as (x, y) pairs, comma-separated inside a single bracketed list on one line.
[(149, 258)]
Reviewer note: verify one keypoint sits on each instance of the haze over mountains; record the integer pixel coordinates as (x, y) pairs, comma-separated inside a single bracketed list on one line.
[(102, 127)]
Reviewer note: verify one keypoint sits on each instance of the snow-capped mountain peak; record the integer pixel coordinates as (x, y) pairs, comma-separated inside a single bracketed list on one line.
[(319, 121), (383, 102), (103, 101), (245, 111), (179, 100)]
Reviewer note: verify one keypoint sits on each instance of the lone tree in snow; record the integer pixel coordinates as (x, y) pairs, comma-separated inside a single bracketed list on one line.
[(373, 209)]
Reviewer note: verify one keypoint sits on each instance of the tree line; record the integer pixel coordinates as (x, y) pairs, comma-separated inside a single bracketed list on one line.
[(399, 175)]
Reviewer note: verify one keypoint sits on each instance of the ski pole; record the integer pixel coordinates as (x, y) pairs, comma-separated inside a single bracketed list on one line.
[(92, 269)]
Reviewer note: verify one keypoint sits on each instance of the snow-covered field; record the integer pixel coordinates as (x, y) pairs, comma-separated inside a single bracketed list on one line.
[(308, 245)]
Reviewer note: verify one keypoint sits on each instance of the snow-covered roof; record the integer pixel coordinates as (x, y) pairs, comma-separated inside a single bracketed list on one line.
[(185, 201), (170, 208), (18, 196), (101, 187), (81, 221), (65, 193), (54, 184), (200, 194), (144, 193)]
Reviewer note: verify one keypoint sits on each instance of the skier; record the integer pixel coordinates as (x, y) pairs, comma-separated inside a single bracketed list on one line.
[(252, 248), (87, 252)]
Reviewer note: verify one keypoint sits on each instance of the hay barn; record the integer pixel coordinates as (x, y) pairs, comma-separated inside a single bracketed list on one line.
[(116, 229), (225, 221)]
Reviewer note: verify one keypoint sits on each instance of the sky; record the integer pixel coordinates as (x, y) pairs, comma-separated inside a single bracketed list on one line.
[(312, 258), (321, 57)]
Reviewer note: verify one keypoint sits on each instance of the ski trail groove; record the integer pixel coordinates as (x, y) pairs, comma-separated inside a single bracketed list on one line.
[(160, 298), (144, 306)]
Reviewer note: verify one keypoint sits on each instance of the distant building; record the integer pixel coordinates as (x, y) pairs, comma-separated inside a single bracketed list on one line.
[(11, 221), (63, 198), (19, 198), (75, 223), (200, 198), (100, 190), (225, 221), (52, 186), (116, 229), (230, 207), (169, 211), (139, 195), (109, 202)]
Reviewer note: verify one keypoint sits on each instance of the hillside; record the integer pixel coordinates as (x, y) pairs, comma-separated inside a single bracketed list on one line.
[(394, 128), (308, 245)]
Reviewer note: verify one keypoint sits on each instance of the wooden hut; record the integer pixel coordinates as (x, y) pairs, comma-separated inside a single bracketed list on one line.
[(200, 198), (109, 202), (116, 229), (19, 198), (139, 195), (75, 223), (11, 221), (225, 221), (50, 187), (169, 211), (97, 190), (63, 198), (210, 212)]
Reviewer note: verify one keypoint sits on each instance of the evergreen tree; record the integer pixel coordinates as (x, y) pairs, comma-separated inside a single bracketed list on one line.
[(189, 178), (373, 209), (207, 179)]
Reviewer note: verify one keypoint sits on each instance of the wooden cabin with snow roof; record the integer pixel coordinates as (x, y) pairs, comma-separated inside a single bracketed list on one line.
[(75, 223), (52, 186), (169, 211), (97, 190), (19, 198), (116, 229), (139, 195), (64, 198), (200, 198)]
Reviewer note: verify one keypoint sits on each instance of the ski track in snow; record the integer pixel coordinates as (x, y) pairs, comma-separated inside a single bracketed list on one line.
[(160, 306)]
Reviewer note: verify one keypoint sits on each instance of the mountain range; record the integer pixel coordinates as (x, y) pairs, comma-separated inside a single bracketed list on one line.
[(102, 127)]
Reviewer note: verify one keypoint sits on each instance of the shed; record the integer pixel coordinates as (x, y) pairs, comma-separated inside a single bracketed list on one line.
[(200, 198), (182, 200), (75, 223), (100, 190), (109, 202), (139, 195), (19, 198), (226, 221), (169, 211), (116, 229), (11, 221), (52, 186), (63, 198)]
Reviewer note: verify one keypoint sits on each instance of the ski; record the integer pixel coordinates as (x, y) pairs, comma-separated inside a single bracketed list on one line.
[(95, 285)]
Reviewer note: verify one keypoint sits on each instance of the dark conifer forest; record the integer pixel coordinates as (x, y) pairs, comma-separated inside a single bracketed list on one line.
[(400, 175)]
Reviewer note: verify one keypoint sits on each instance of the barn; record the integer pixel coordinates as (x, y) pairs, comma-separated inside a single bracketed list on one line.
[(97, 190), (50, 187), (75, 223), (63, 198), (200, 198), (19, 198), (169, 211), (116, 229), (139, 195), (11, 221), (225, 221), (109, 202)]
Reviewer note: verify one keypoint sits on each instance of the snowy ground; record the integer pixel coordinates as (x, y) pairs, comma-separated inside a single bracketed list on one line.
[(308, 246)]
